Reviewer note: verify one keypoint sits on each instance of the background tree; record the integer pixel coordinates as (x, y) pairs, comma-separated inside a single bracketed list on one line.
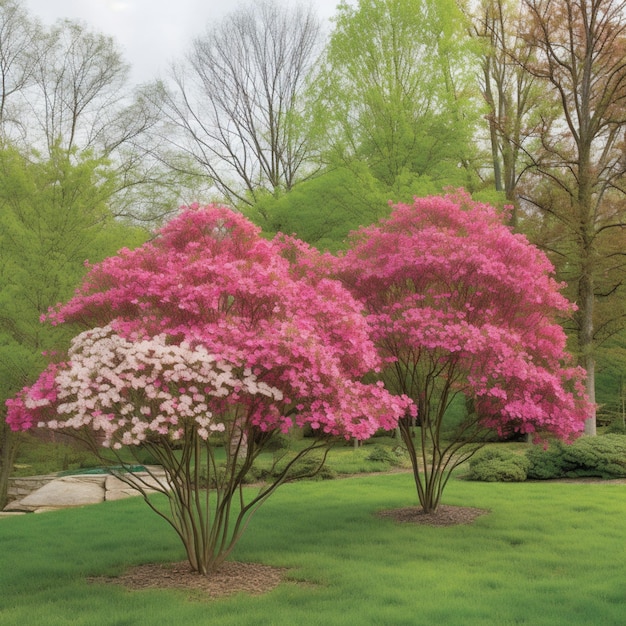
[(19, 37), (209, 329), (66, 87), (323, 210), (611, 382), (53, 216), (236, 101), (81, 101), (576, 178), (460, 306), (395, 91), (511, 94), (80, 76)]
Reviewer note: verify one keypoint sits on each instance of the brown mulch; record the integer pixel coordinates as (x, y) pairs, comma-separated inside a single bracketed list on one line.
[(231, 578), (446, 515)]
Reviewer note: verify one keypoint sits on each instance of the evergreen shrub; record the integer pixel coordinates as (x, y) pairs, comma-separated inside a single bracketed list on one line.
[(546, 463), (382, 454), (602, 456), (616, 427), (498, 465), (308, 468)]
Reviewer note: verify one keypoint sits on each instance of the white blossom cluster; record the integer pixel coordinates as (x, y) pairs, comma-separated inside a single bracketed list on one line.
[(129, 390)]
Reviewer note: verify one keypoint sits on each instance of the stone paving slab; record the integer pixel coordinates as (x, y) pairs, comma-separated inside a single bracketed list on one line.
[(84, 489)]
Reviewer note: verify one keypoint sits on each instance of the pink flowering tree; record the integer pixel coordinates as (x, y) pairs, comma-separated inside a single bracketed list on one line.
[(458, 304), (209, 334)]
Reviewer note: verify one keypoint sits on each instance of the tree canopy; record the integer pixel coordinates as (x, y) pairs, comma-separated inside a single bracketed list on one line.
[(577, 167), (234, 104), (394, 89), (54, 215)]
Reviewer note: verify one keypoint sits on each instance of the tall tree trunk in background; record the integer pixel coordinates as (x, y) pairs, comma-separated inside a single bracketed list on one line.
[(511, 93), (9, 442), (574, 51)]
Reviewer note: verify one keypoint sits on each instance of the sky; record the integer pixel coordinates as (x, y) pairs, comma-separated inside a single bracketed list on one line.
[(150, 33)]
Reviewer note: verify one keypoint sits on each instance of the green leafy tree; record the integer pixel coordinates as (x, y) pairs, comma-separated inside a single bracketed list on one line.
[(395, 90), (67, 86), (323, 210), (53, 216)]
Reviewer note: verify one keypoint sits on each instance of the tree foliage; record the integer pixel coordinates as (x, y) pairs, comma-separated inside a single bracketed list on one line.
[(53, 215), (323, 210), (394, 89), (460, 305), (210, 329), (65, 87)]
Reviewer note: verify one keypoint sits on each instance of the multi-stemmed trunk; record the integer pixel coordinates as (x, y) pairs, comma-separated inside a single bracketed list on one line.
[(206, 502), (434, 454)]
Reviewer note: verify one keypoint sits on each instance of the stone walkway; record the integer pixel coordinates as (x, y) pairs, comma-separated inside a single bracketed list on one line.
[(83, 489)]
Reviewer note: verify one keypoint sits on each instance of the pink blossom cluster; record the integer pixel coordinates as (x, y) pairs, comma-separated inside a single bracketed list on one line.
[(206, 322), (449, 288)]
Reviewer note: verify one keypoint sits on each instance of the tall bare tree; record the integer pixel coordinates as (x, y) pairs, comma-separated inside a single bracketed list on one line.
[(512, 95), (80, 81), (578, 163), (236, 99), (19, 35), (79, 99)]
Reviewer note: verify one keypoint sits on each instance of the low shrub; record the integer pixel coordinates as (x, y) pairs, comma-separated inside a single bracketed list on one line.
[(393, 457), (602, 456), (498, 465), (307, 467), (616, 427), (547, 463)]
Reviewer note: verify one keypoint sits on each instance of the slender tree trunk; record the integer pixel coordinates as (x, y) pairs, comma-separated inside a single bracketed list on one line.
[(9, 442), (586, 285), (493, 131), (429, 483), (585, 336)]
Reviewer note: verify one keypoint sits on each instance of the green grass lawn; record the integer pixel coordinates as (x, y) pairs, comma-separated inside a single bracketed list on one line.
[(547, 553)]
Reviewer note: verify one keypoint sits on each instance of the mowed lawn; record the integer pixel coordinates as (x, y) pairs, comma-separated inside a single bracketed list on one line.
[(546, 553)]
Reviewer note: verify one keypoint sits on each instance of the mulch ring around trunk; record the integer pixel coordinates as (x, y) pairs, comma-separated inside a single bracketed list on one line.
[(231, 578), (446, 515)]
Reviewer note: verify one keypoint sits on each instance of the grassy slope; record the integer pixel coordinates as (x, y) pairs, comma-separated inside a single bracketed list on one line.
[(546, 554)]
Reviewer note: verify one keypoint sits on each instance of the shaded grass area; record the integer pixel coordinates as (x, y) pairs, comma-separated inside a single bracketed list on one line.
[(39, 457), (545, 554), (377, 455)]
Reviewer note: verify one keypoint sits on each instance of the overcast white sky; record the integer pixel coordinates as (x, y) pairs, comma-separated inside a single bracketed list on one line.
[(150, 33)]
